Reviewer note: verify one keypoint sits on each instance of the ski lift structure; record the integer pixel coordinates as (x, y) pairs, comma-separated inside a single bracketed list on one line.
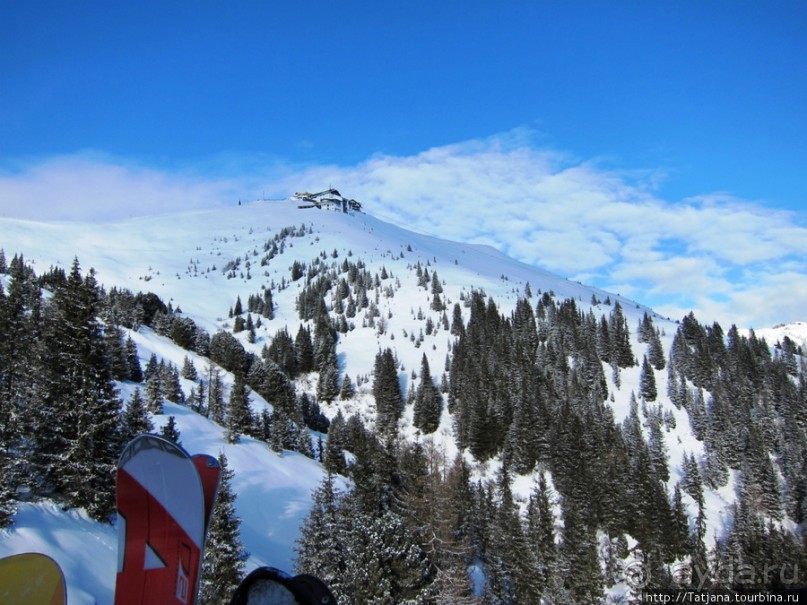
[(329, 199)]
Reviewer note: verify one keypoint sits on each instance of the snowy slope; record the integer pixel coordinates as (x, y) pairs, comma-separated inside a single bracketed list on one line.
[(182, 257), (796, 331), (273, 499)]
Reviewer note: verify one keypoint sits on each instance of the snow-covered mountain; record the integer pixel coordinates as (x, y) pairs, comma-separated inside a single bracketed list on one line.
[(796, 331), (202, 262)]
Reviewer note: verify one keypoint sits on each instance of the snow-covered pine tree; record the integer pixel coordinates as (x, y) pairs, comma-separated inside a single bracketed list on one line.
[(328, 383), (321, 547), (655, 351), (20, 324), (437, 289), (647, 382), (387, 391), (579, 557), (302, 441), (170, 430), (133, 361), (171, 387), (384, 564), (8, 504), (457, 326), (215, 395), (304, 349), (656, 445), (347, 390), (428, 401), (511, 565), (75, 426), (282, 351), (154, 392), (540, 532), (620, 350), (135, 419), (116, 350), (239, 413), (334, 445), (281, 431), (223, 564), (189, 369)]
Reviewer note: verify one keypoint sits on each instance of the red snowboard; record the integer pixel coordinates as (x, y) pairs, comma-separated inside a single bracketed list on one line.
[(162, 522)]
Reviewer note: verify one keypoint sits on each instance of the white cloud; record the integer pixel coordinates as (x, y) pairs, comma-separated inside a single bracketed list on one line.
[(727, 259), (92, 187)]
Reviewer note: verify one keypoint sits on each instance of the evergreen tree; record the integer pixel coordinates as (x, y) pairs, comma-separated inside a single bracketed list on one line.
[(223, 564), (20, 328), (152, 367), (215, 395), (655, 351), (133, 361), (457, 326), (189, 370), (268, 307), (347, 390), (328, 384), (386, 565), (647, 382), (657, 448), (437, 289), (387, 391), (334, 445), (75, 426), (170, 430), (228, 352), (620, 352), (8, 504), (541, 533), (154, 392), (453, 550), (646, 329), (281, 431), (580, 567), (321, 547), (282, 350), (680, 527), (302, 442), (239, 413), (428, 401), (311, 414), (511, 566), (304, 350), (171, 387), (324, 342), (135, 419), (116, 352)]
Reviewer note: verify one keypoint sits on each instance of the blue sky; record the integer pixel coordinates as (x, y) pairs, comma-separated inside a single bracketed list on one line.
[(635, 114)]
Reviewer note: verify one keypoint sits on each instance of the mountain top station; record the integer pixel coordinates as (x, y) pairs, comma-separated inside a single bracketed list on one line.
[(330, 199)]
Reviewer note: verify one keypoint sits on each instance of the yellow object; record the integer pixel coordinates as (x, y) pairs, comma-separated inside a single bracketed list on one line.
[(31, 579)]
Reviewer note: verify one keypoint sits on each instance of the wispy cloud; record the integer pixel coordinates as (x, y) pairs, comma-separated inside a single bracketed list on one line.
[(90, 186), (728, 259)]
